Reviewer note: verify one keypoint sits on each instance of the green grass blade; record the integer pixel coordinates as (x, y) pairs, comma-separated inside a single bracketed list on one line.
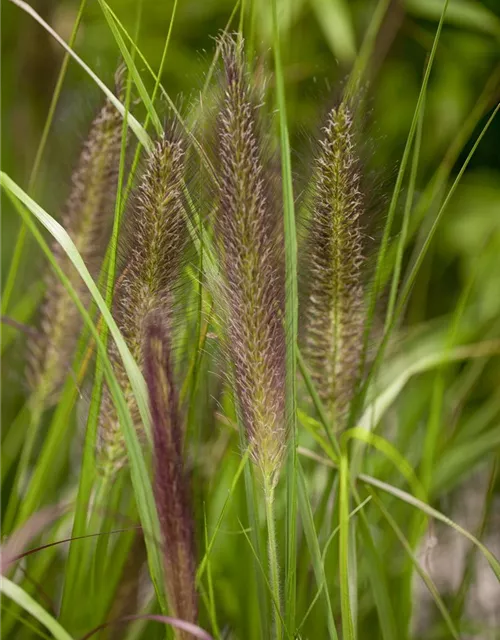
[(318, 405), (399, 179), (24, 600), (13, 440), (464, 457), (314, 549), (345, 591), (420, 258), (203, 563), (437, 183), (433, 513), (414, 269), (87, 473), (390, 452), (401, 241), (377, 575), (377, 408), (211, 600), (422, 573), (367, 47), (128, 57), (263, 573), (291, 326)]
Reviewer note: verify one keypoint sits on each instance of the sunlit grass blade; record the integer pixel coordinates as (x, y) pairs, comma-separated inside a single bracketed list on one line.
[(379, 405), (24, 600), (334, 18)]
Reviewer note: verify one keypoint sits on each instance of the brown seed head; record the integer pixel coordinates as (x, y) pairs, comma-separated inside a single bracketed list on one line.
[(170, 480), (155, 239), (335, 314), (250, 241)]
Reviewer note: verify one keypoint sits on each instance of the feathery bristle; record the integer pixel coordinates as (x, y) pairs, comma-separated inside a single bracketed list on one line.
[(335, 314), (155, 236), (170, 480), (250, 238), (87, 217)]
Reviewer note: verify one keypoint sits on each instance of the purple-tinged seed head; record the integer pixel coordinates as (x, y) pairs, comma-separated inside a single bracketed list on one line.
[(170, 479), (250, 243)]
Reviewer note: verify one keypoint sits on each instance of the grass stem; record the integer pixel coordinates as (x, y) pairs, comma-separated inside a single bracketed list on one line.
[(273, 557)]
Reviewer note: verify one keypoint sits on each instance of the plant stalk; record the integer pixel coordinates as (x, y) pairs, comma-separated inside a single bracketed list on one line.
[(273, 557)]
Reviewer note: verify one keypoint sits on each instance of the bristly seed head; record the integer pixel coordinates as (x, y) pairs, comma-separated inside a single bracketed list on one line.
[(335, 313), (87, 217), (250, 240), (154, 236), (170, 480)]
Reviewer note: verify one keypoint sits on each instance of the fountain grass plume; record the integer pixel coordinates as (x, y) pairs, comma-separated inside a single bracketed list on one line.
[(87, 217), (170, 479), (250, 242), (153, 241), (335, 309)]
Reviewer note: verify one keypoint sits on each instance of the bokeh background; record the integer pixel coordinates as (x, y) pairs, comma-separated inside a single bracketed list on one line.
[(321, 39)]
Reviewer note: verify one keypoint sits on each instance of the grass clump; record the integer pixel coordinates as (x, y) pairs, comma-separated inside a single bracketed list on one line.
[(219, 496)]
